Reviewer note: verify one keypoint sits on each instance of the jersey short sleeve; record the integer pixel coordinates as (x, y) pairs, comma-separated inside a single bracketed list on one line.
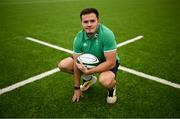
[(109, 42), (77, 44)]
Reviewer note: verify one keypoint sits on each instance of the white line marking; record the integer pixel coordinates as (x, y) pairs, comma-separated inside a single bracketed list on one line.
[(147, 76), (141, 74), (29, 80), (49, 45), (69, 51), (42, 75), (129, 41)]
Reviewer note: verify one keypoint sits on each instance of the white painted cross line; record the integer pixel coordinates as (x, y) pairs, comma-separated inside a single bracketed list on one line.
[(129, 41), (141, 74), (71, 52), (42, 75), (29, 80), (147, 76), (38, 77), (49, 45)]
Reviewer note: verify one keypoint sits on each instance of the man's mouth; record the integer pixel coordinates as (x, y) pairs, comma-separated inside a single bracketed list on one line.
[(88, 28)]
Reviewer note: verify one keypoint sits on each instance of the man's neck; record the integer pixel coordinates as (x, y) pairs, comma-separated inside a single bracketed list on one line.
[(91, 34)]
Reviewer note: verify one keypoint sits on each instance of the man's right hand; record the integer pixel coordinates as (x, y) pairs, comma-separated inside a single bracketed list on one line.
[(77, 95)]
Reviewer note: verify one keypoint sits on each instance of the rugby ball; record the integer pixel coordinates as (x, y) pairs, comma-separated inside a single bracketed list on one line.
[(89, 60)]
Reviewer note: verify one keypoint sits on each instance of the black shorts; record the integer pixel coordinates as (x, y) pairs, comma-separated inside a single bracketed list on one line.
[(115, 69)]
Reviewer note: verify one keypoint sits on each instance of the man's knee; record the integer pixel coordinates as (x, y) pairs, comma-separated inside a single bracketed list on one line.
[(66, 64), (61, 66), (107, 80)]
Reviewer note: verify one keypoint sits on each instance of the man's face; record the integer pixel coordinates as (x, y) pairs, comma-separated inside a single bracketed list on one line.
[(89, 23)]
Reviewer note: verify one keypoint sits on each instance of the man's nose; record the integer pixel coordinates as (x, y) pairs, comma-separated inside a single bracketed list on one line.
[(89, 23)]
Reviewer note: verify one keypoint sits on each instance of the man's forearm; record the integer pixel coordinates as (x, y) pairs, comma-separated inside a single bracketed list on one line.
[(108, 64), (104, 66), (77, 73), (77, 76)]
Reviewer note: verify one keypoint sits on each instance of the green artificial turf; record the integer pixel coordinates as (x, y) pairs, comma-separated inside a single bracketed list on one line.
[(57, 22)]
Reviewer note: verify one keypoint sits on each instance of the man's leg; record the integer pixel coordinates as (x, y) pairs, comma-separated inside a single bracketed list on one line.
[(66, 65), (107, 80)]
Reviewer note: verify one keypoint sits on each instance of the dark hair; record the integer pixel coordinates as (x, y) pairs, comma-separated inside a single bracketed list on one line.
[(88, 11)]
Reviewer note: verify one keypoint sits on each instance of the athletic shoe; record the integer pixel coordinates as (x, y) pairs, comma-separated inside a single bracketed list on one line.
[(88, 83), (111, 97)]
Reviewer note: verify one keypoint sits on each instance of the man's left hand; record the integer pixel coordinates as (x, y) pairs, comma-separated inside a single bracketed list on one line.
[(83, 68)]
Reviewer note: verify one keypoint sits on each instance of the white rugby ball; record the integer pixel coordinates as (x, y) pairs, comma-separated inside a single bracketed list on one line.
[(89, 60)]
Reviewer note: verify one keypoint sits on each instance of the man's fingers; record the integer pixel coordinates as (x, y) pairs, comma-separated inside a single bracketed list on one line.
[(77, 95), (73, 99), (81, 62), (77, 99), (79, 66)]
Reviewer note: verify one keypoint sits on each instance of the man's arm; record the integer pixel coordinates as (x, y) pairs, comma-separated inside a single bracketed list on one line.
[(77, 76), (106, 65), (77, 73)]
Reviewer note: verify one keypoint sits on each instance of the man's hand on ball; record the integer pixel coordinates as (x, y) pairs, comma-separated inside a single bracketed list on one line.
[(82, 67)]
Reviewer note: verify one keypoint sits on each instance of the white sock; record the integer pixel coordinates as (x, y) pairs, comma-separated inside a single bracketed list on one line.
[(86, 77)]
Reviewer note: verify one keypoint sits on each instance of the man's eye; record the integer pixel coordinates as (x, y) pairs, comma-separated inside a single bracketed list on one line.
[(85, 22), (92, 21)]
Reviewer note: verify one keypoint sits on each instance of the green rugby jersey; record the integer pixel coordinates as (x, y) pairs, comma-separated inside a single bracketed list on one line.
[(102, 41)]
